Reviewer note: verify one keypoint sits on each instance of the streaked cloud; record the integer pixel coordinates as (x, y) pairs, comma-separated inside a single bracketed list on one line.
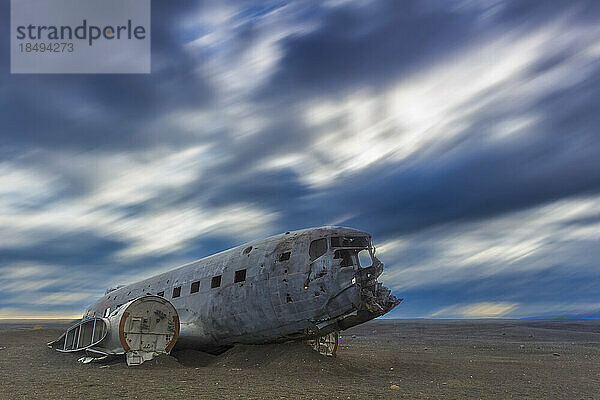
[(516, 310), (533, 239), (477, 310), (462, 135)]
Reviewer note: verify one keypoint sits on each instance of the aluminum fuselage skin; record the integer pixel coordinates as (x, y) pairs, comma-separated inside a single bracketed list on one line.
[(280, 299)]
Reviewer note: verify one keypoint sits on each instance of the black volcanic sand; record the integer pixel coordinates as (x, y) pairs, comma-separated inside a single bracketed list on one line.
[(424, 359)]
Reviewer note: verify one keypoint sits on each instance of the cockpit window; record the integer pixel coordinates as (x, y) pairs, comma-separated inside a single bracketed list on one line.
[(317, 248), (347, 257), (364, 258), (350, 241)]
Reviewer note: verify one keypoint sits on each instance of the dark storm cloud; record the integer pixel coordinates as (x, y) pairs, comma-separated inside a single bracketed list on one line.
[(369, 45), (271, 188), (550, 286), (470, 186), (385, 40), (461, 181), (112, 112), (559, 160), (533, 11), (203, 246), (65, 249), (465, 179)]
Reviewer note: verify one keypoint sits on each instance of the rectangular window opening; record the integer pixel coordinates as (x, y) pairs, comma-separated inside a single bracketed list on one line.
[(177, 291), (215, 282), (348, 256), (284, 256), (350, 241), (317, 248), (240, 276), (195, 287)]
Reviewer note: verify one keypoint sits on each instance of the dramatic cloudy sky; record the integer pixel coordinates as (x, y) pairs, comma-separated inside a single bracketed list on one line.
[(464, 135)]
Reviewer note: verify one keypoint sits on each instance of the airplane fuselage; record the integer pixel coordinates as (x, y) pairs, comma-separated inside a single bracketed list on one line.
[(294, 285)]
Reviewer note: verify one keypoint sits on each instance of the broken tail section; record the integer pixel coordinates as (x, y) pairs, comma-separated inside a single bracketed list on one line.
[(84, 334), (141, 329)]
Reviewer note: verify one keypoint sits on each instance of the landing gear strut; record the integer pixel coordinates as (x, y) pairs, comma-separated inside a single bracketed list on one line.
[(326, 345)]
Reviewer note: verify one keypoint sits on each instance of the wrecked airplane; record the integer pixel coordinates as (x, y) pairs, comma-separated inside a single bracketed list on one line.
[(303, 285)]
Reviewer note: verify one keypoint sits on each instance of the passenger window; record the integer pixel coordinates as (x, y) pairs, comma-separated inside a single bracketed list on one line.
[(215, 282), (240, 276), (177, 291), (107, 312), (317, 248), (161, 294), (195, 287), (284, 256)]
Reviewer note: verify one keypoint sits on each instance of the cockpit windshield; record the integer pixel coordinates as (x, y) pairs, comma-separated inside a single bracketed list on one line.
[(352, 250), (350, 241)]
